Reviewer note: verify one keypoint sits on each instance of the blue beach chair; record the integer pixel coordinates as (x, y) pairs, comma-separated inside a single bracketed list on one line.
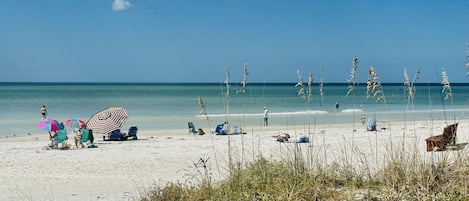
[(191, 127), (116, 135), (371, 124), (220, 129), (132, 133)]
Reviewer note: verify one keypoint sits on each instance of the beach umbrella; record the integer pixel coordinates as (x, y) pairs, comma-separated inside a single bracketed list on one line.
[(75, 123), (50, 125), (107, 120)]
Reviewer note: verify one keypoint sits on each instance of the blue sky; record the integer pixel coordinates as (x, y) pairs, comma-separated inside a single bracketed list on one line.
[(193, 41)]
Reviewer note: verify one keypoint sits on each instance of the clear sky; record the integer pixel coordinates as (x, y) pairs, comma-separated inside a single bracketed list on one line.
[(194, 40)]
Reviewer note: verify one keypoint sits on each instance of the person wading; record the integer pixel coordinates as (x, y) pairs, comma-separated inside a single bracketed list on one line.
[(43, 112), (266, 116)]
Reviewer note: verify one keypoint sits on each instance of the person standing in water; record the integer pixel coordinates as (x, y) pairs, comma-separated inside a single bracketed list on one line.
[(43, 112), (266, 116)]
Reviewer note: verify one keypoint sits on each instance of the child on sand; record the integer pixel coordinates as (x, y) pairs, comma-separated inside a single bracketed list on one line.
[(77, 135)]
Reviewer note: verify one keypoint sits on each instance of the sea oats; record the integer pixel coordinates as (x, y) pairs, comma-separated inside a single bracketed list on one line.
[(406, 78), (310, 88), (301, 91), (446, 86), (321, 90), (203, 111), (245, 79), (373, 85), (352, 77), (410, 87), (227, 81)]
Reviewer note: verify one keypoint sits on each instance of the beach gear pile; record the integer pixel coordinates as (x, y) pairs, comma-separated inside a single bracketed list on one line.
[(284, 137)]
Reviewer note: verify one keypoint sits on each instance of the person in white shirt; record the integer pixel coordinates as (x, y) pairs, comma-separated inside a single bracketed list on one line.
[(266, 116)]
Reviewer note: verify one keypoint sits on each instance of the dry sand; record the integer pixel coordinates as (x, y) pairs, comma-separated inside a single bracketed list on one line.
[(123, 170)]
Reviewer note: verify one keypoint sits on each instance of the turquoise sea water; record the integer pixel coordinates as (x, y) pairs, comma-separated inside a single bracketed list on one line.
[(155, 106)]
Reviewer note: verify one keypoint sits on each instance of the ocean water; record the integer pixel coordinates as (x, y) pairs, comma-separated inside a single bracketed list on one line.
[(160, 106)]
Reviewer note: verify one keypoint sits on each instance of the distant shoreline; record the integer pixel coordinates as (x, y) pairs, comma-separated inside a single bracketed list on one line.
[(218, 83)]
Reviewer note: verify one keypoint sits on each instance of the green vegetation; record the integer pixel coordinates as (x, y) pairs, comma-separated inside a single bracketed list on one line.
[(403, 178)]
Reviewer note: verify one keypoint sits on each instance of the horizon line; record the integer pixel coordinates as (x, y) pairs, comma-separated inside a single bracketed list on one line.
[(234, 83)]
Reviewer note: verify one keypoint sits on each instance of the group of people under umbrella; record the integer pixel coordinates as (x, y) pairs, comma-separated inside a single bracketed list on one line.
[(105, 122)]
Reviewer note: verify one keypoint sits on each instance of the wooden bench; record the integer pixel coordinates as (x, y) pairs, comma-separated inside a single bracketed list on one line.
[(441, 141)]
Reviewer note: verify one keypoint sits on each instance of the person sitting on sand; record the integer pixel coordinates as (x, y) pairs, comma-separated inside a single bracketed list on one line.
[(77, 135), (52, 136), (200, 131)]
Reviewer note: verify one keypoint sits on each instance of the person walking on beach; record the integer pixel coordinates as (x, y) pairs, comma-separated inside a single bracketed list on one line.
[(266, 116), (43, 112)]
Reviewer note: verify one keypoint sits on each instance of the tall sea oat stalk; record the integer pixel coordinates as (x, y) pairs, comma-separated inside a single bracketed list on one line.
[(352, 77), (321, 93), (203, 111), (227, 112), (307, 105), (410, 88), (446, 86), (308, 96), (321, 89), (374, 89), (352, 81), (299, 84), (310, 89), (373, 85), (227, 93), (446, 90), (243, 91), (245, 79)]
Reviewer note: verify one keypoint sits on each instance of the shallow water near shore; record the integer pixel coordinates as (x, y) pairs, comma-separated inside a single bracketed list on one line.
[(160, 106)]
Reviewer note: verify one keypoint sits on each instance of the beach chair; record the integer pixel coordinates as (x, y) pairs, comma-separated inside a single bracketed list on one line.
[(220, 129), (116, 135), (191, 127), (440, 142), (132, 134), (87, 135), (60, 140), (371, 124)]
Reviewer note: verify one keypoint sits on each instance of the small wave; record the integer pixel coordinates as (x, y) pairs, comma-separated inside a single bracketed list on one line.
[(351, 110), (270, 114)]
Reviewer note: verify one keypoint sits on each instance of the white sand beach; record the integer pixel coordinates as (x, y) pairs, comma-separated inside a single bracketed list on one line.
[(122, 170)]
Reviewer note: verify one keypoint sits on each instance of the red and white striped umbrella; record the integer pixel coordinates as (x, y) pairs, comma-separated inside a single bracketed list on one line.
[(107, 120)]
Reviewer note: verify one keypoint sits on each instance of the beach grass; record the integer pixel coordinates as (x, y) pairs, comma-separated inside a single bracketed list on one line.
[(403, 177)]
